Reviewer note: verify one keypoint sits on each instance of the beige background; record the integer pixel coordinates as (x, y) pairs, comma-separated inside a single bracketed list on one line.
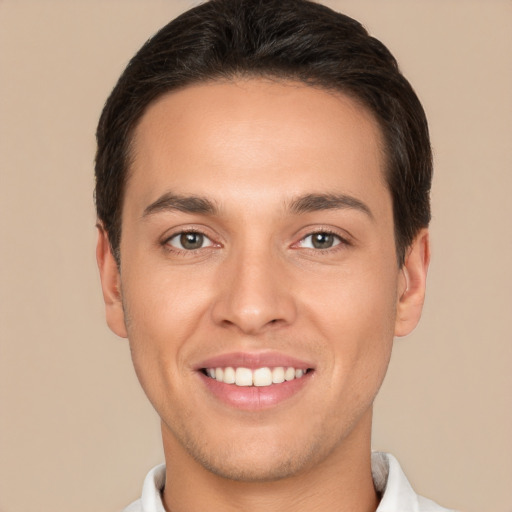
[(76, 432)]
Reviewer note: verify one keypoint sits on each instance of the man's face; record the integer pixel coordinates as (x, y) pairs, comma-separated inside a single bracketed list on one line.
[(257, 235)]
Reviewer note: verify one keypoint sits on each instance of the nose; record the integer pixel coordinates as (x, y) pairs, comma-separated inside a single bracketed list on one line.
[(254, 293)]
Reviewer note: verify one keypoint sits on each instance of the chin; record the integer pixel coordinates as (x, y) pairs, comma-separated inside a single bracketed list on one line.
[(247, 468), (258, 458)]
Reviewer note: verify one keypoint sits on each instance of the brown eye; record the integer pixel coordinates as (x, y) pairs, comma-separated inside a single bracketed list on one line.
[(189, 241), (321, 240)]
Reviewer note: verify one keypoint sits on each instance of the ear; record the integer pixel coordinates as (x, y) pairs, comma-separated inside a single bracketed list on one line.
[(110, 284), (412, 284)]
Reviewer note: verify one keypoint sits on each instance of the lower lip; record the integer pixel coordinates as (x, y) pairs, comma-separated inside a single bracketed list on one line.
[(254, 397)]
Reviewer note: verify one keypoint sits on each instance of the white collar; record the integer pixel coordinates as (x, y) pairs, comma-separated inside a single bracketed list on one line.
[(389, 480), (395, 490)]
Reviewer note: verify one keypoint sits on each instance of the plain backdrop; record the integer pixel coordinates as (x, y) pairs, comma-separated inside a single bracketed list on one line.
[(76, 432)]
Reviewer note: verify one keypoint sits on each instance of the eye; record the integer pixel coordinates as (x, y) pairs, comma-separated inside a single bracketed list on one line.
[(320, 240), (189, 241)]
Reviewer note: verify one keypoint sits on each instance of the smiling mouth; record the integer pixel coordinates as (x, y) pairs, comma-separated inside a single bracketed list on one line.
[(259, 377)]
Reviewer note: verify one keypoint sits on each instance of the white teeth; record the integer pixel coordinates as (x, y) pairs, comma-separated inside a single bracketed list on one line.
[(243, 377), (289, 374), (278, 375), (260, 377), (229, 375)]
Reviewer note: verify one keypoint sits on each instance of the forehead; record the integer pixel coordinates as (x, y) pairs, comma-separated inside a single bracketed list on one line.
[(255, 137)]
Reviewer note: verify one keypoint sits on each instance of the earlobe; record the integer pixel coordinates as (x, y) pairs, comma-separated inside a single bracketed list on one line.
[(411, 293), (110, 284)]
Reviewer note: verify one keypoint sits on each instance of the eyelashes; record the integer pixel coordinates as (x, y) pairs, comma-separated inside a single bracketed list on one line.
[(189, 241), (321, 240), (193, 241)]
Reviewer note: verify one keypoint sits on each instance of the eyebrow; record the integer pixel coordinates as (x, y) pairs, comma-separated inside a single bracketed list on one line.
[(186, 204), (317, 202), (300, 205)]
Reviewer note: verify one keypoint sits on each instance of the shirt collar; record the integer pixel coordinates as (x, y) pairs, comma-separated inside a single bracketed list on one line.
[(392, 485), (389, 480)]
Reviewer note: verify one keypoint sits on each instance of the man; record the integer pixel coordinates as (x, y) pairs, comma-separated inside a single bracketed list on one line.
[(263, 176)]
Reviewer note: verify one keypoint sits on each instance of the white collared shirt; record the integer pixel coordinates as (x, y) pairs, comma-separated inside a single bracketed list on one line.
[(396, 492)]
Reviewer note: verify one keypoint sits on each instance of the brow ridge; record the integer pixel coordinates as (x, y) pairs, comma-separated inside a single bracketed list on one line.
[(187, 204), (300, 205), (317, 202)]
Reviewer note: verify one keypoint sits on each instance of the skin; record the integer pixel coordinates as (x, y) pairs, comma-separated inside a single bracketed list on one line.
[(251, 148)]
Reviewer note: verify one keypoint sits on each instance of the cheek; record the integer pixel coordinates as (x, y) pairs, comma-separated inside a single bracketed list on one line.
[(355, 312), (163, 302), (162, 311)]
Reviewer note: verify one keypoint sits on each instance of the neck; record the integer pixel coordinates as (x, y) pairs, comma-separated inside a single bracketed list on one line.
[(341, 482)]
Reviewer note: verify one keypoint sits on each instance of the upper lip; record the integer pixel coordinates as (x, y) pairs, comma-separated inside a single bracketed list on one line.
[(253, 360)]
